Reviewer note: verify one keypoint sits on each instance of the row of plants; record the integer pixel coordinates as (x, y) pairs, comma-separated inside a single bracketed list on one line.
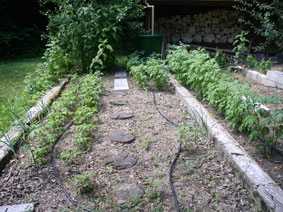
[(202, 73), (147, 70), (79, 103), (82, 37)]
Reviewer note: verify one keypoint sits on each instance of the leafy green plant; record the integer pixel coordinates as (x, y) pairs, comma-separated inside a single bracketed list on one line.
[(265, 19), (83, 92), (90, 32), (201, 73), (222, 59), (68, 156), (152, 191), (84, 183), (152, 70), (252, 63), (264, 66), (240, 46), (145, 144), (8, 142)]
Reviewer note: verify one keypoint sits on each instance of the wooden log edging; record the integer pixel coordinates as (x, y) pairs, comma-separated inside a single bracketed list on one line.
[(16, 132), (267, 195)]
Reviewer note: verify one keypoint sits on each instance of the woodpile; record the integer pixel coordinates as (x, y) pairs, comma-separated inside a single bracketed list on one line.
[(218, 26)]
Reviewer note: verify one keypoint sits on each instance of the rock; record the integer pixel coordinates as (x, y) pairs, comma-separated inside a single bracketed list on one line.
[(197, 38), (176, 37), (230, 40), (122, 136), (209, 38), (120, 93), (121, 84), (118, 102), (207, 30), (121, 162), (223, 39), (125, 192), (122, 115), (187, 37), (226, 31), (120, 74), (17, 208), (191, 30)]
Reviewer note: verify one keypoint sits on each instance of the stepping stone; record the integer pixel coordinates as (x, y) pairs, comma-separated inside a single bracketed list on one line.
[(121, 84), (126, 192), (122, 115), (17, 208), (120, 93), (122, 136), (121, 162), (118, 102), (120, 74)]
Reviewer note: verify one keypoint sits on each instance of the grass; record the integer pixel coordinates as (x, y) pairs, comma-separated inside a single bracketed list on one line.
[(12, 97), (12, 74)]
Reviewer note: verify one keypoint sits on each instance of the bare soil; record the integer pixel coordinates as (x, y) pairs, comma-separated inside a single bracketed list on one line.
[(203, 181)]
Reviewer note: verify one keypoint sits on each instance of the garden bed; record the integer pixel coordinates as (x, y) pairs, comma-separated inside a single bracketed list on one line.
[(202, 180), (272, 165), (261, 89)]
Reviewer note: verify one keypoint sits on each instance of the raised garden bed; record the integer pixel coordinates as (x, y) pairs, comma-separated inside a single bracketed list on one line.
[(202, 180)]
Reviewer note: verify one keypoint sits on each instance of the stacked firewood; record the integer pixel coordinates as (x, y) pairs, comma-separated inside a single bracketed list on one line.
[(218, 26)]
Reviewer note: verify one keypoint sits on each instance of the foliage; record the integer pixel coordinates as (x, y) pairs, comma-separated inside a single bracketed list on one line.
[(84, 182), (148, 69), (263, 65), (68, 156), (12, 96), (202, 74), (89, 32), (252, 63), (152, 191), (136, 58), (84, 93), (265, 19), (240, 46), (222, 59)]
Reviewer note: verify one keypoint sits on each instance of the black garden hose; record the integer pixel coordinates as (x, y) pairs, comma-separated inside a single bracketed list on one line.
[(57, 172), (172, 167)]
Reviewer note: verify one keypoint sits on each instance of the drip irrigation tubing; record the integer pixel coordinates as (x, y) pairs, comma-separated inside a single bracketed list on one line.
[(172, 167), (58, 174)]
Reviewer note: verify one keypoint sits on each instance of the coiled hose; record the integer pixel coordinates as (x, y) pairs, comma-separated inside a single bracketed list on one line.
[(172, 167)]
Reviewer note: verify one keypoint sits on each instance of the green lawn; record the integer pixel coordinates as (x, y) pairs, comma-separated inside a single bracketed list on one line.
[(12, 75)]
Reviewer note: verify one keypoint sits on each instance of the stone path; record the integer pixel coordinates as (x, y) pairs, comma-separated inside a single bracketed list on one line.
[(120, 81), (125, 191), (18, 208)]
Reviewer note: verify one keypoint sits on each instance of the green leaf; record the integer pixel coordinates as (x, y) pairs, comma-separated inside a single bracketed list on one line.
[(265, 131)]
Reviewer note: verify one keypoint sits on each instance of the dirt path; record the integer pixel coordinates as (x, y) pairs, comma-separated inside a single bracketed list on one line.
[(202, 180)]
